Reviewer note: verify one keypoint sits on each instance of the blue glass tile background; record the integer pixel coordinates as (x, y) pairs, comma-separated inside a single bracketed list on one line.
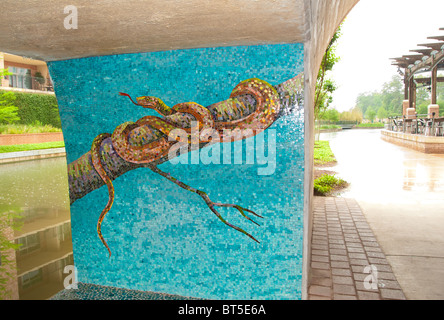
[(164, 238)]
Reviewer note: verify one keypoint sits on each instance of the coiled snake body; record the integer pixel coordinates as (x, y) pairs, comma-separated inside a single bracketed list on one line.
[(252, 106)]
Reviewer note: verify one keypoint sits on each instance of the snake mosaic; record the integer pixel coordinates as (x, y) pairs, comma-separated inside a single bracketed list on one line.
[(253, 105)]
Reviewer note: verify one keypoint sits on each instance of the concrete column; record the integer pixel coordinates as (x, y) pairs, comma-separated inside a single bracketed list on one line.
[(3, 82), (405, 106), (412, 92), (411, 113), (322, 18), (433, 108), (406, 88)]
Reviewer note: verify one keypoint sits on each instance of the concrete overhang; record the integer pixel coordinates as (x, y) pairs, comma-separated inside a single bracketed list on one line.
[(19, 59), (36, 29)]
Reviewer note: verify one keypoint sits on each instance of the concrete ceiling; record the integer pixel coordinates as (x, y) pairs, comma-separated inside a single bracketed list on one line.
[(35, 29)]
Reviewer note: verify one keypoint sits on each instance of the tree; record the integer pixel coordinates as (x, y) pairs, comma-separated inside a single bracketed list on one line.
[(325, 86), (331, 115), (370, 114), (368, 100), (354, 114), (390, 98), (392, 95), (382, 113), (8, 111)]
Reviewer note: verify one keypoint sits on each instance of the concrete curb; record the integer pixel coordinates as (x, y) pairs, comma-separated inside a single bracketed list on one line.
[(9, 157), (421, 143)]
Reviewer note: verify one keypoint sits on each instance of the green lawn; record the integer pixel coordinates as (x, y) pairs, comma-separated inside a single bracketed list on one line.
[(24, 128), (322, 153), (32, 146), (370, 125), (330, 126)]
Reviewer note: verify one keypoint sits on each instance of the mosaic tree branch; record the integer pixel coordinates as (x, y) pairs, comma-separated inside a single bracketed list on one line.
[(252, 107), (83, 178)]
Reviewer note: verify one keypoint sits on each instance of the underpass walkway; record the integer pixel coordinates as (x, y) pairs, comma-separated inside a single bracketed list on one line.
[(347, 262)]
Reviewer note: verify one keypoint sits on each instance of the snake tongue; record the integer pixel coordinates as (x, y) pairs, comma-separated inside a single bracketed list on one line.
[(127, 95)]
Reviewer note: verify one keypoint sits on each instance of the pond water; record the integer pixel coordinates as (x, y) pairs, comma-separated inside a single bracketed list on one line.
[(37, 191)]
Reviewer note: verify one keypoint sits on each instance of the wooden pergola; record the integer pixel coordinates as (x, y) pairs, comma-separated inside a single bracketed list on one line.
[(429, 58)]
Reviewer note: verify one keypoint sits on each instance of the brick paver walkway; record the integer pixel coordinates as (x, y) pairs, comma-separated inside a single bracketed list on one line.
[(347, 262)]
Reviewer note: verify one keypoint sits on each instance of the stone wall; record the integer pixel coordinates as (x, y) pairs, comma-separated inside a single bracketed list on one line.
[(416, 142), (12, 139)]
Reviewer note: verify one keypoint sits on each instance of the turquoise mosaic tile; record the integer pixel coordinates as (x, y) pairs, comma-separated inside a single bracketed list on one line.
[(166, 239)]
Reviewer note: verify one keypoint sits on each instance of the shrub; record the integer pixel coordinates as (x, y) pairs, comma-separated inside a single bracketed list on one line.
[(8, 111), (326, 183), (37, 107)]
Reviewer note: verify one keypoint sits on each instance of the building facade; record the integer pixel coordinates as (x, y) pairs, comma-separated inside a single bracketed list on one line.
[(27, 74)]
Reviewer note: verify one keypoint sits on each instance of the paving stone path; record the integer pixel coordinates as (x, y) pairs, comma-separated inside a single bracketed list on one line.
[(347, 261)]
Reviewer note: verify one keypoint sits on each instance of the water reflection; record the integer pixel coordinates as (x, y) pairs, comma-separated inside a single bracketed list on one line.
[(380, 170), (37, 192)]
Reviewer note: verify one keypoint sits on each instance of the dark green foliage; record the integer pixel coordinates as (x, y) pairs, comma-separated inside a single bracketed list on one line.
[(37, 108), (8, 111)]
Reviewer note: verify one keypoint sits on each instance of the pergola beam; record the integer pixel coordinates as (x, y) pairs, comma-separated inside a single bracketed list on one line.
[(439, 38), (428, 80), (434, 45), (425, 52), (430, 59)]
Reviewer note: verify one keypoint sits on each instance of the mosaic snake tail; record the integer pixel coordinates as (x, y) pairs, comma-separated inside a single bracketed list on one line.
[(97, 163), (210, 203)]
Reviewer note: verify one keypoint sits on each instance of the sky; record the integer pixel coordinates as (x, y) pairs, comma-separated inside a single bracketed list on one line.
[(372, 33)]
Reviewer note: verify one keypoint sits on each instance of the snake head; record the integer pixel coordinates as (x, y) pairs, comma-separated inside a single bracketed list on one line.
[(156, 104), (147, 102)]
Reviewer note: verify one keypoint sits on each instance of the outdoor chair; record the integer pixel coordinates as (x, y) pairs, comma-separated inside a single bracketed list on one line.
[(397, 125), (420, 126), (429, 127), (439, 129)]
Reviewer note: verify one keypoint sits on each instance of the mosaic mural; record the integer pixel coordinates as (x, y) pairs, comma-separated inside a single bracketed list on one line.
[(243, 131)]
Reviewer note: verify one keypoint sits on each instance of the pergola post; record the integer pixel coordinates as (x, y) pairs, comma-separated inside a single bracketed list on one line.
[(412, 93), (434, 81), (406, 88)]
